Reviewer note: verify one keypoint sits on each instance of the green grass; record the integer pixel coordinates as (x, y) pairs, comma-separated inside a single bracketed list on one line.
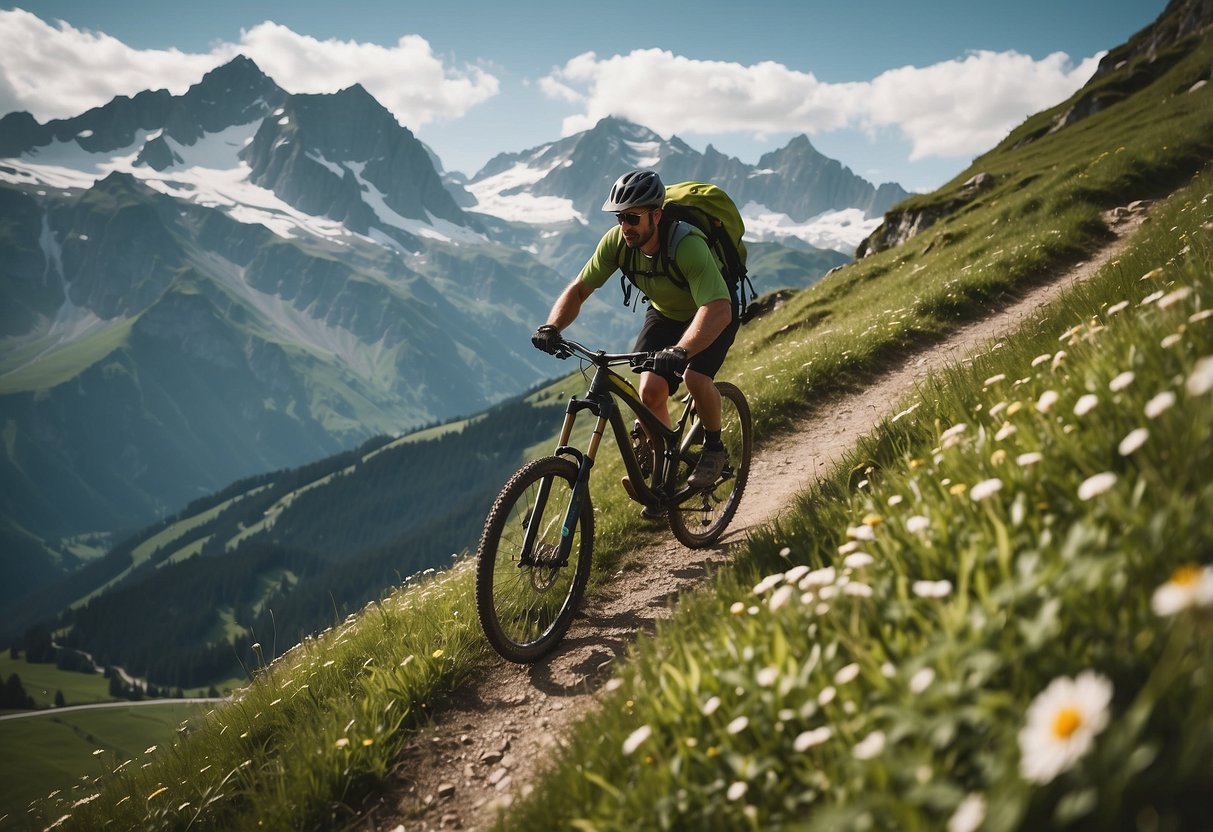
[(1043, 583), (61, 751), (62, 363), (41, 681)]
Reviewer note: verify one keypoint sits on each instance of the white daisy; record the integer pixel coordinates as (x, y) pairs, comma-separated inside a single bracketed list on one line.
[(922, 680), (780, 597), (846, 674), (861, 533), (1094, 486), (858, 560), (737, 790), (1189, 587), (952, 435), (1134, 440), (768, 583), (1061, 725), (808, 739), (870, 746), (1047, 400), (795, 573), (635, 739), (1201, 380), (768, 676), (1174, 297), (1121, 381), (1160, 404), (932, 589), (1030, 458), (985, 489), (969, 815), (818, 577), (917, 524), (738, 725), (1085, 404)]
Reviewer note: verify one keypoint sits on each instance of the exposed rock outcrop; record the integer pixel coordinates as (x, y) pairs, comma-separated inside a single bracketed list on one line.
[(901, 225)]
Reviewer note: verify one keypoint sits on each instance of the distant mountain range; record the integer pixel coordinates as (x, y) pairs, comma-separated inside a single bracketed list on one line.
[(203, 287)]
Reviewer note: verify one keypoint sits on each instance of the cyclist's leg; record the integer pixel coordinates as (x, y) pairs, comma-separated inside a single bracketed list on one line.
[(655, 394), (699, 377), (701, 373), (707, 398), (657, 333)]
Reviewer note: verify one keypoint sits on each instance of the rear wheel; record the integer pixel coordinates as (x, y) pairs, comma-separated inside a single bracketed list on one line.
[(526, 604), (701, 518)]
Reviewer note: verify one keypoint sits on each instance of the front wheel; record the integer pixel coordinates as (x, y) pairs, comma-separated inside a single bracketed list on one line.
[(701, 518), (526, 600)]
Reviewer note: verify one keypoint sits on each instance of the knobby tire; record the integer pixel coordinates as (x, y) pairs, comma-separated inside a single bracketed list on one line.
[(525, 610), (701, 519)]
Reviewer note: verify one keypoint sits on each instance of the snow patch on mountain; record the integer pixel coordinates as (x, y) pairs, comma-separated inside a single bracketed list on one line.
[(434, 229), (504, 196), (840, 230), (212, 174)]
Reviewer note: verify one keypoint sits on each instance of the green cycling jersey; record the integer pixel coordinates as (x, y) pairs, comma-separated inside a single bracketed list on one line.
[(704, 280)]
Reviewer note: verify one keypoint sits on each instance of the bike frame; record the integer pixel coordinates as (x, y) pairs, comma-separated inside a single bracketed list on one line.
[(669, 444)]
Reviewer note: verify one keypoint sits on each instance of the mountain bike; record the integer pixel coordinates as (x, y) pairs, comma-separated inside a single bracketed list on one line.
[(533, 560)]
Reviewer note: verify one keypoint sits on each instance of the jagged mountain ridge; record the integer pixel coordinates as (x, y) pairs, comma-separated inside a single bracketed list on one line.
[(565, 181)]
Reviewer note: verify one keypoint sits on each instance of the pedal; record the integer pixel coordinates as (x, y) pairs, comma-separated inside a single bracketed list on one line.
[(628, 487)]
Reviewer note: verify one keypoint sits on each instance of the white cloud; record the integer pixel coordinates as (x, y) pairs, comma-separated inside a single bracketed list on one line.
[(56, 71), (953, 108), (407, 78)]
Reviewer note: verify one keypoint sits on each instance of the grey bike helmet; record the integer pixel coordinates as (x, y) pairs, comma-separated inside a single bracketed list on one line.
[(635, 189)]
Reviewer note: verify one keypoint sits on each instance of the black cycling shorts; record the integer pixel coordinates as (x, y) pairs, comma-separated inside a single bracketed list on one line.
[(659, 332)]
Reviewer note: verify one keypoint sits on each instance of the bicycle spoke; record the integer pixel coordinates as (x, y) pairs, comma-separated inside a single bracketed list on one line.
[(526, 605)]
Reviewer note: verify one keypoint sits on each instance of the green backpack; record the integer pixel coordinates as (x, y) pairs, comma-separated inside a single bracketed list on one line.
[(705, 208)]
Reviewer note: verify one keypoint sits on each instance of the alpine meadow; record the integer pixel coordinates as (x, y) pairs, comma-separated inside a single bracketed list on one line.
[(996, 613)]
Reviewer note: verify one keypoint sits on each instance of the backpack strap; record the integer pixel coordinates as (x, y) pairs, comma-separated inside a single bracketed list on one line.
[(626, 258)]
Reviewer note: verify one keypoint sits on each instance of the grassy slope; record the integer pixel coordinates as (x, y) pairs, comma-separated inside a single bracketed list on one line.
[(1048, 577), (309, 737), (42, 680), (68, 743)]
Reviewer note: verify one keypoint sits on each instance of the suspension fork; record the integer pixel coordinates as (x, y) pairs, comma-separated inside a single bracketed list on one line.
[(585, 461)]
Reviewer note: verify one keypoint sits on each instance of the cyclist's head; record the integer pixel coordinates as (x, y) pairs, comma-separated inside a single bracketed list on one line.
[(635, 189)]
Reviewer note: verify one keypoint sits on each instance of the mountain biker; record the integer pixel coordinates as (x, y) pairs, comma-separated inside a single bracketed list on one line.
[(688, 328)]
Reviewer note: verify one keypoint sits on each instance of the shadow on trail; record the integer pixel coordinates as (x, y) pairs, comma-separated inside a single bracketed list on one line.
[(604, 629)]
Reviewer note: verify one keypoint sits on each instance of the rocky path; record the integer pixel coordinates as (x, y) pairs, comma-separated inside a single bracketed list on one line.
[(482, 752)]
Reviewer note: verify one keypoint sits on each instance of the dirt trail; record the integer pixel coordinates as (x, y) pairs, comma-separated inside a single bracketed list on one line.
[(481, 753)]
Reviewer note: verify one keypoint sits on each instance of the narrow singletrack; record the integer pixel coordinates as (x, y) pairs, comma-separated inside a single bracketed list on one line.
[(482, 751)]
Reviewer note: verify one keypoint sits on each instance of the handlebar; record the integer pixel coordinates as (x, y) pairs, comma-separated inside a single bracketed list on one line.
[(600, 358)]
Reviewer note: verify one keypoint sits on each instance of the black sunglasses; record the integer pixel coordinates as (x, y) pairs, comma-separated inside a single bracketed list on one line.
[(627, 217)]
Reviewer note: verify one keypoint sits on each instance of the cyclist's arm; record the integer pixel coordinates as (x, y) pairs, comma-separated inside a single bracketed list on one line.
[(594, 274), (706, 326), (568, 305)]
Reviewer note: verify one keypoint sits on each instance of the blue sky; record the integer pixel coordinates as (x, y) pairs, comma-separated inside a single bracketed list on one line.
[(908, 92)]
